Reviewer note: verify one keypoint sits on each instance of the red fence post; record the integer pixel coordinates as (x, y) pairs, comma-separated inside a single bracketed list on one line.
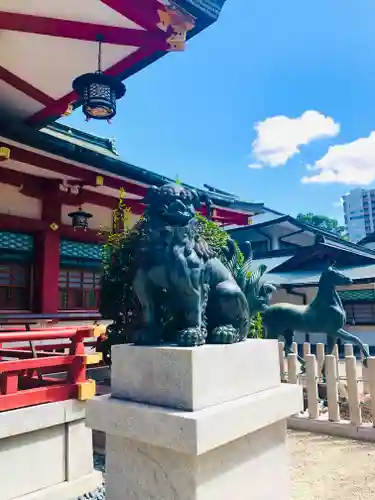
[(8, 383), (77, 370), (86, 389)]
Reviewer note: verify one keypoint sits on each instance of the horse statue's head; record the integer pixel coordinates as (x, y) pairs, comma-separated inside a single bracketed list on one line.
[(334, 277)]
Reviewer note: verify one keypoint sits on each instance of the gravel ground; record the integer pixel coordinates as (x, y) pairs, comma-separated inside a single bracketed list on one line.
[(330, 468), (99, 493)]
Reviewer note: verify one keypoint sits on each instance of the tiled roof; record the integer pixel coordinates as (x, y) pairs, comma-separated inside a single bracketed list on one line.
[(370, 238), (321, 235), (75, 249), (80, 138), (16, 241), (311, 278), (88, 150), (365, 295), (271, 262)]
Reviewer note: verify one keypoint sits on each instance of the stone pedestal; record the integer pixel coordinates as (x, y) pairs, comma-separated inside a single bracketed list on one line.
[(205, 423), (46, 453)]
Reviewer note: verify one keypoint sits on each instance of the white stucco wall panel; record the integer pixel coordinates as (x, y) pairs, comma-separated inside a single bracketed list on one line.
[(13, 202)]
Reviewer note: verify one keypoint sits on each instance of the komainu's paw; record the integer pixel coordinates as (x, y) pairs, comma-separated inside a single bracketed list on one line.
[(191, 337), (224, 335), (146, 336)]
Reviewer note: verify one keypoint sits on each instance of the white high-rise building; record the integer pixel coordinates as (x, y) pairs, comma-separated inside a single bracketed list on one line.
[(359, 213)]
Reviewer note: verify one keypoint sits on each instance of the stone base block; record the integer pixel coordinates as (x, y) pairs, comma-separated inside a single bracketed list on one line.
[(68, 490), (193, 433), (215, 434), (248, 468), (46, 452), (192, 379), (228, 451)]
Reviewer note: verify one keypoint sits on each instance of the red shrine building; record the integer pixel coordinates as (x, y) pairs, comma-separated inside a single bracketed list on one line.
[(59, 186)]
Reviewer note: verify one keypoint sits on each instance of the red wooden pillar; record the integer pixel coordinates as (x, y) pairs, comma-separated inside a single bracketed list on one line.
[(47, 271), (47, 259)]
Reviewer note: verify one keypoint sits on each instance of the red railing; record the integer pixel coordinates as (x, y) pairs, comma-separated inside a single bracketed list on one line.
[(26, 380)]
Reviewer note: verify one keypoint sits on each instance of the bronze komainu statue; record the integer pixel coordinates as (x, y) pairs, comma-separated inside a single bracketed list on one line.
[(178, 271)]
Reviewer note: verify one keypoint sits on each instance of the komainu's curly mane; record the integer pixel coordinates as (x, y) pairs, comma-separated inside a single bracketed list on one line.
[(203, 249)]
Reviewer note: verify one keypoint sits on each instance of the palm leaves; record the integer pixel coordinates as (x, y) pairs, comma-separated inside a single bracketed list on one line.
[(257, 293)]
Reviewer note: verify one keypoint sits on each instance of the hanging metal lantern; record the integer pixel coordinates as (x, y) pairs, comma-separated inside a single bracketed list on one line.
[(99, 92), (80, 219)]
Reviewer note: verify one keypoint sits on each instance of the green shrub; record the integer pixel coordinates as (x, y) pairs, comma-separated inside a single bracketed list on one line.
[(256, 327)]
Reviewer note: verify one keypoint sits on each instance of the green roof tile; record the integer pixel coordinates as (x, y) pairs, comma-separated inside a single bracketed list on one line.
[(78, 250), (16, 241), (365, 295)]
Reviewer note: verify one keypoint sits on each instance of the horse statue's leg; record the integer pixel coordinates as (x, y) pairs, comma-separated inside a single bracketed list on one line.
[(288, 336), (331, 342), (349, 337), (289, 339)]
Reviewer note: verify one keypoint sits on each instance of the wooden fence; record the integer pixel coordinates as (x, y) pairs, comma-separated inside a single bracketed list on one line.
[(30, 361), (343, 402)]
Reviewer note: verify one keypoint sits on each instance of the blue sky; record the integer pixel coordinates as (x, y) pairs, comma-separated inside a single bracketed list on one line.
[(208, 113)]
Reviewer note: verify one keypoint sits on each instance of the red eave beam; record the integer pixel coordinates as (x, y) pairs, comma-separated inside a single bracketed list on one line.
[(35, 187), (226, 216), (231, 217), (25, 225), (22, 224), (81, 30), (24, 87), (145, 15), (83, 176)]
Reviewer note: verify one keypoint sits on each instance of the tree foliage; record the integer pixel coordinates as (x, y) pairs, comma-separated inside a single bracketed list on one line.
[(323, 222), (256, 327)]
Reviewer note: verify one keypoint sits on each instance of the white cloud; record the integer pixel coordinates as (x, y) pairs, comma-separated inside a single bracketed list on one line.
[(352, 163), (279, 138)]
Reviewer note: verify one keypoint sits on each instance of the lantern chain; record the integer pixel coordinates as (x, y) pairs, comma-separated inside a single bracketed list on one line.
[(100, 57)]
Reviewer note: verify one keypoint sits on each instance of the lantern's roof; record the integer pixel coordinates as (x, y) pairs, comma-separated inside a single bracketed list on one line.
[(45, 45)]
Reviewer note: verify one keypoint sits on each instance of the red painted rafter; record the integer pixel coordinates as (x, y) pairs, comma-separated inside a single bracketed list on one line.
[(24, 87), (145, 16), (121, 67), (82, 31), (26, 225), (87, 177)]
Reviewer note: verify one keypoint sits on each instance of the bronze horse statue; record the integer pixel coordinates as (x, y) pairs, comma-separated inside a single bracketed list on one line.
[(325, 314)]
